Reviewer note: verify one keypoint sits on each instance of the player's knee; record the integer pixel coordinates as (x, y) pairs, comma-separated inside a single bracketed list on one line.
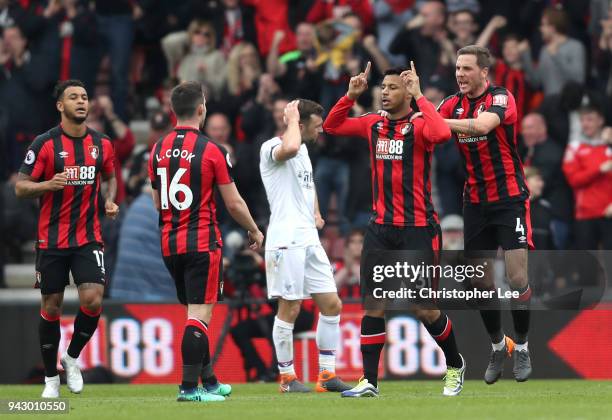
[(92, 303), (518, 279), (333, 308), (51, 306), (52, 309), (203, 312), (288, 310), (294, 311)]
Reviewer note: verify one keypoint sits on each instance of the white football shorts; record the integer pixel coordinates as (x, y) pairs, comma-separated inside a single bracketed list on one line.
[(296, 273)]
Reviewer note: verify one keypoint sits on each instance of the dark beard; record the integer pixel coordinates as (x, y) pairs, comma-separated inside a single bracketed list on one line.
[(75, 119)]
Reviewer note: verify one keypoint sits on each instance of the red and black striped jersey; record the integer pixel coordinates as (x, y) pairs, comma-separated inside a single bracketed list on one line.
[(184, 167), (400, 156), (70, 218), (494, 171), (515, 81)]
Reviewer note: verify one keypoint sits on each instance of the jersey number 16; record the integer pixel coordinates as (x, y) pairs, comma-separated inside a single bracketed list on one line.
[(173, 190)]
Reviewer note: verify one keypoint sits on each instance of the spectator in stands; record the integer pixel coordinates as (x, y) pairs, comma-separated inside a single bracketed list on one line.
[(561, 112), (604, 59), (232, 20), (203, 62), (335, 40), (588, 168), (9, 13), (561, 59), (159, 126), (331, 175), (102, 117), (540, 209), (262, 118), (26, 83), (452, 232), (508, 71), (115, 24), (359, 202), (347, 271), (78, 34), (546, 155), (323, 10), (243, 71), (423, 40), (295, 71), (364, 49), (463, 27), (272, 16), (140, 274), (390, 16)]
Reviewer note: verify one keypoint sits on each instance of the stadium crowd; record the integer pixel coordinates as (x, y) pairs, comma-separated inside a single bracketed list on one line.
[(253, 56)]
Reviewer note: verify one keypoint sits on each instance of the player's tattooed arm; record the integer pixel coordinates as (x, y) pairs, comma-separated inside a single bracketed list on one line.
[(26, 187), (111, 209), (484, 124)]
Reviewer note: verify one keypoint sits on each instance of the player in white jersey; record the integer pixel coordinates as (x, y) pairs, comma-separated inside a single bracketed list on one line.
[(296, 265)]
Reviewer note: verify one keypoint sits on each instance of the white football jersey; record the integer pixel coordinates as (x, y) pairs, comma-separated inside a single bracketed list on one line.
[(291, 193)]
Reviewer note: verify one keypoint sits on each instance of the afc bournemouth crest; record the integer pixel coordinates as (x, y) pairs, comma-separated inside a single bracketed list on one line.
[(94, 152), (480, 109), (406, 129)]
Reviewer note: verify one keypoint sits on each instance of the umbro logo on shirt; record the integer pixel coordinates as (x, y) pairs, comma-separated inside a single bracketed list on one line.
[(63, 155)]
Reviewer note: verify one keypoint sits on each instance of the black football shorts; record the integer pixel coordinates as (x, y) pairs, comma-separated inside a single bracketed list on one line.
[(197, 276), (53, 267), (490, 226)]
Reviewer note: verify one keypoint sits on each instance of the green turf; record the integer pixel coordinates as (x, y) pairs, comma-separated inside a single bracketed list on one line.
[(406, 400)]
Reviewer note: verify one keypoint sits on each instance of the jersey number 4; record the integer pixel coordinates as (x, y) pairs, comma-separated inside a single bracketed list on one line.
[(172, 191)]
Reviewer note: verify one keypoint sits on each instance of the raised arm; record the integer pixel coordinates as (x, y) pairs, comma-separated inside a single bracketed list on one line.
[(337, 121), (273, 65), (434, 129), (292, 138), (497, 22)]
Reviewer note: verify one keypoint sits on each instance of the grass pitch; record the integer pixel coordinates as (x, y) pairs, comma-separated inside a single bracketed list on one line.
[(537, 399)]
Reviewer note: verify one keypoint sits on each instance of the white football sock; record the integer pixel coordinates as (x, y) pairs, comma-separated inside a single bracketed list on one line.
[(282, 335), (520, 347), (499, 346), (328, 336)]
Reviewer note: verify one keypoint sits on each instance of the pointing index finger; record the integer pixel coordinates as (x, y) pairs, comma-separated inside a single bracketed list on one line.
[(412, 66), (366, 72)]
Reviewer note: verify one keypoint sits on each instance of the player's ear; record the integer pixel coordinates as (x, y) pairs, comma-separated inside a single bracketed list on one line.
[(485, 72), (59, 105)]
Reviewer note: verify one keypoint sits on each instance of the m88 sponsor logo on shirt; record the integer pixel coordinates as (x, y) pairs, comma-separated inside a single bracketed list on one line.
[(466, 138), (389, 149), (80, 175)]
